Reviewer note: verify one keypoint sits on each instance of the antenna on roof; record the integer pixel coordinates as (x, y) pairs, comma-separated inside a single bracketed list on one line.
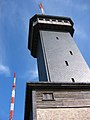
[(41, 8)]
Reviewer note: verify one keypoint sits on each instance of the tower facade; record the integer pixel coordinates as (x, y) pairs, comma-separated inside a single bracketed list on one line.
[(58, 58), (63, 73)]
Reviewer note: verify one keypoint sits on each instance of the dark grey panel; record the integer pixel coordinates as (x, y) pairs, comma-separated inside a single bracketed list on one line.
[(42, 67)]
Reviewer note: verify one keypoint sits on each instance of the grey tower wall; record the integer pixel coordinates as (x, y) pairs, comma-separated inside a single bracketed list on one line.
[(62, 58)]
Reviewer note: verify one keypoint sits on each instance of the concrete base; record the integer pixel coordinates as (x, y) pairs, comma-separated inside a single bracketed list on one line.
[(63, 114)]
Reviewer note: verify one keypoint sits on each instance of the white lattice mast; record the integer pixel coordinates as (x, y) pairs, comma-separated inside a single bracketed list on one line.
[(12, 98), (41, 8)]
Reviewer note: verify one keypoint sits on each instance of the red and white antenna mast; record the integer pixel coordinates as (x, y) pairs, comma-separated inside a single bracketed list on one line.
[(41, 8), (12, 98)]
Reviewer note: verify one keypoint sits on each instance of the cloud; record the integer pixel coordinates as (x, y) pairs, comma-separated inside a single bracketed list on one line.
[(30, 75), (4, 70), (81, 32)]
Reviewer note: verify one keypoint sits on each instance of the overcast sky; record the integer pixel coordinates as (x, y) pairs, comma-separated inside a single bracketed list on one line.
[(14, 55)]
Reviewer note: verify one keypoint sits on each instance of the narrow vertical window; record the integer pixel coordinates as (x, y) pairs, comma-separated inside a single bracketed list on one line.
[(66, 63), (57, 38), (73, 80), (71, 52)]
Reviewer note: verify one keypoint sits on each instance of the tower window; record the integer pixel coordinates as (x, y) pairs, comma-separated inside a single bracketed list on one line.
[(66, 63), (53, 19), (47, 19), (73, 80), (71, 52), (48, 96), (66, 21), (40, 18), (59, 20), (57, 38)]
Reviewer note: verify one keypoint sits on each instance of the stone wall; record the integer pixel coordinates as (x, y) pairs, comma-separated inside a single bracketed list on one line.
[(63, 114)]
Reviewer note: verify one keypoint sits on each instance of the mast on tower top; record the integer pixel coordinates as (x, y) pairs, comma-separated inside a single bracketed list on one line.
[(41, 8)]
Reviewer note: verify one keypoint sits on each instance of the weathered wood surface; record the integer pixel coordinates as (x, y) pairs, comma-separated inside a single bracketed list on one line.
[(64, 99)]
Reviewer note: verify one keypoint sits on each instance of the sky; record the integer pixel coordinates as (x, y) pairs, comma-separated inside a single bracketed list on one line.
[(14, 54)]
